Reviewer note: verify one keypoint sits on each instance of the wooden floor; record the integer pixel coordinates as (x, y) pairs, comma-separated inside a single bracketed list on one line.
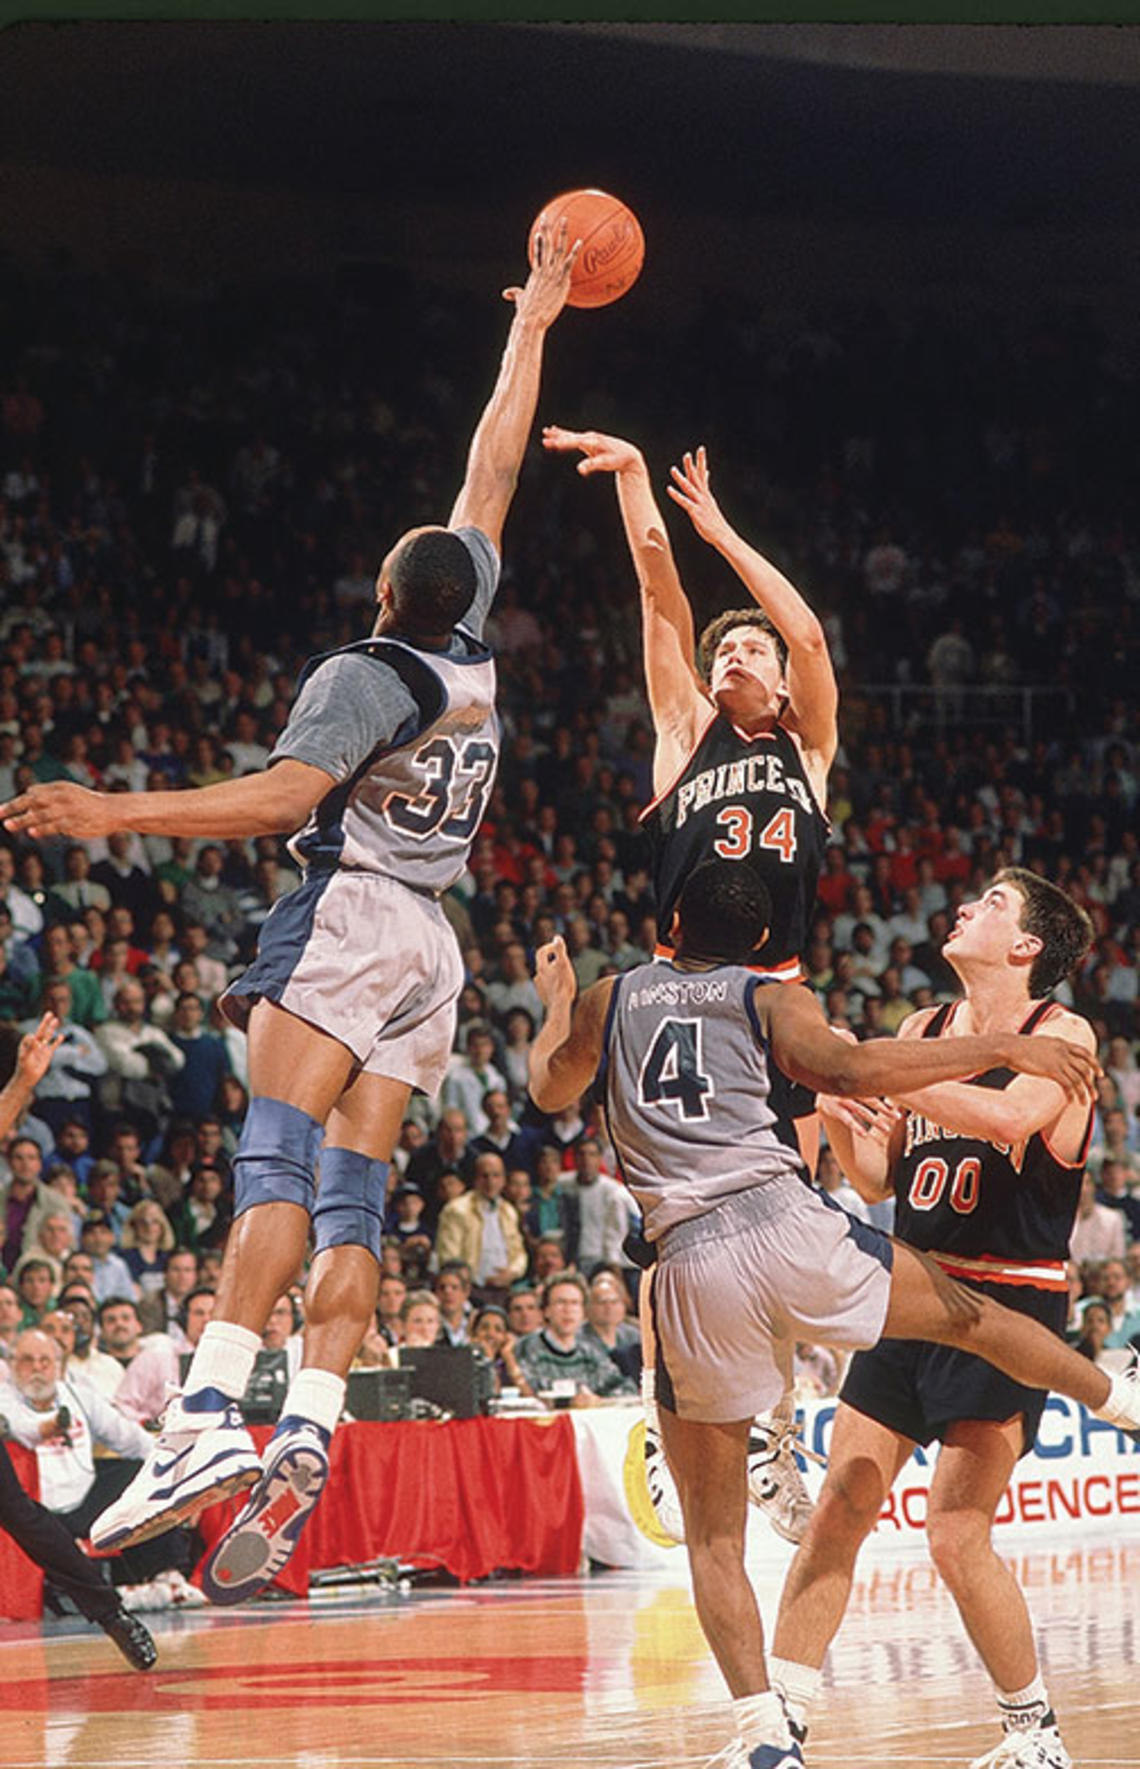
[(608, 1670)]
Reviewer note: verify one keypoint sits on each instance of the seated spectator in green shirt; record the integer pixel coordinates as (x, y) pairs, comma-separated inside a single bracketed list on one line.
[(558, 1351)]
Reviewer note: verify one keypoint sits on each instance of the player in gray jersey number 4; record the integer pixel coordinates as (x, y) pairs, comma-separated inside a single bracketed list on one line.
[(745, 733)]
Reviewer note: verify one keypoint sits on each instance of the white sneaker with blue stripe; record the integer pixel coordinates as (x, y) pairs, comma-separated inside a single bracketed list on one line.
[(1039, 1747), (262, 1537), (199, 1457), (738, 1755)]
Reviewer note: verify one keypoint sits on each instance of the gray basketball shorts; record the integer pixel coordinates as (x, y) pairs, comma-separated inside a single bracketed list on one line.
[(735, 1289), (368, 961)]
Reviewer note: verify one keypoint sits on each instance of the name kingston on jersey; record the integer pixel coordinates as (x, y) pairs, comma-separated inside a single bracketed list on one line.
[(920, 1131), (677, 992), (751, 774)]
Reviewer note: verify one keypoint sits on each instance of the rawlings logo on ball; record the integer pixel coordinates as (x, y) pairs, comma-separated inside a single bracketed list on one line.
[(612, 244)]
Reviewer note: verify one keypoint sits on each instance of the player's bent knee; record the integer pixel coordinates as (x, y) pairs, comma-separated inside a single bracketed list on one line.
[(713, 1549), (276, 1161), (349, 1211), (955, 1542), (849, 1505)]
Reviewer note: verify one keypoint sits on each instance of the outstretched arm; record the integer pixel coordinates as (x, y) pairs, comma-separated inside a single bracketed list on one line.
[(565, 1055), (812, 691), (677, 696), (500, 438), (271, 803), (1031, 1102), (808, 1051)]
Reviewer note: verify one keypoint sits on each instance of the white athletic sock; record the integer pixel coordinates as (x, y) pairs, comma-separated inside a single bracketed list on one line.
[(760, 1719), (223, 1360), (649, 1396), (1120, 1409), (799, 1686), (1022, 1709), (316, 1395)]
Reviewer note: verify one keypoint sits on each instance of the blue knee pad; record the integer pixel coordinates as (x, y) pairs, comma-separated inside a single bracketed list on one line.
[(349, 1211), (276, 1161)]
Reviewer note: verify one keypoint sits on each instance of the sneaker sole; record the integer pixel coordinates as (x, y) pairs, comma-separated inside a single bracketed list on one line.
[(180, 1511), (248, 1557)]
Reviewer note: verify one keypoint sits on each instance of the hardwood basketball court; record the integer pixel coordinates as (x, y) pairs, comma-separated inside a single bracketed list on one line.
[(608, 1670)]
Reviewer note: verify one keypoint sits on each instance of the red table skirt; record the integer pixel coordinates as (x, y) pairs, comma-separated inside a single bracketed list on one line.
[(21, 1581), (469, 1495)]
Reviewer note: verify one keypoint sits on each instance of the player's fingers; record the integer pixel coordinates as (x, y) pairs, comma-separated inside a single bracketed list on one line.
[(27, 823), (1078, 1079), (511, 294), (841, 1111)]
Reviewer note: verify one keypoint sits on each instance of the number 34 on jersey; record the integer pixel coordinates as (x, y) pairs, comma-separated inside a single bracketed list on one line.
[(778, 834)]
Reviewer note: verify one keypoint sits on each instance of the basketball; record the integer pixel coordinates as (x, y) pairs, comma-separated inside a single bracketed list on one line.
[(613, 245)]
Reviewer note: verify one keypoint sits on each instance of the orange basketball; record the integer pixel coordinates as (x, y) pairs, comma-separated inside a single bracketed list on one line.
[(613, 245)]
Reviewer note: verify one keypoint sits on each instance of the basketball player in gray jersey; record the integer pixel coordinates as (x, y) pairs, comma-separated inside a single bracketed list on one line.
[(745, 732), (748, 1254), (384, 768)]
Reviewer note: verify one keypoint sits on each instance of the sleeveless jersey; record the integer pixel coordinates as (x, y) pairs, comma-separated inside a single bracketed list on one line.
[(991, 1212), (413, 807), (685, 1081), (741, 798)]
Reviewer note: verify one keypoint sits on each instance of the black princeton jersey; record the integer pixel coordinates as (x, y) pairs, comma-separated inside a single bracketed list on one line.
[(991, 1212), (740, 798)]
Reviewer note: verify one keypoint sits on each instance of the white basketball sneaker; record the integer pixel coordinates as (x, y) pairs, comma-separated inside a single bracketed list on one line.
[(1039, 1748), (738, 1755), (662, 1487), (1122, 1408), (264, 1534), (197, 1459), (775, 1484)]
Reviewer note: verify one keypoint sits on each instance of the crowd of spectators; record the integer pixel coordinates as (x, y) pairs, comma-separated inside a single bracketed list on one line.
[(194, 493)]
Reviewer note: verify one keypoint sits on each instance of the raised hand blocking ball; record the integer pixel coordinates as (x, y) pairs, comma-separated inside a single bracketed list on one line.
[(613, 245)]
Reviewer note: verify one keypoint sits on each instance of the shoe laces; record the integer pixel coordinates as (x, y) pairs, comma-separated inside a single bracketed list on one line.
[(782, 1437), (1007, 1753)]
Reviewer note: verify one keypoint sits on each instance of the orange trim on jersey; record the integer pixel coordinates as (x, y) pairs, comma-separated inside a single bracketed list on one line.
[(989, 1268), (791, 971), (1082, 1157), (760, 737), (794, 739), (674, 783), (1072, 1166), (1078, 1164)]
